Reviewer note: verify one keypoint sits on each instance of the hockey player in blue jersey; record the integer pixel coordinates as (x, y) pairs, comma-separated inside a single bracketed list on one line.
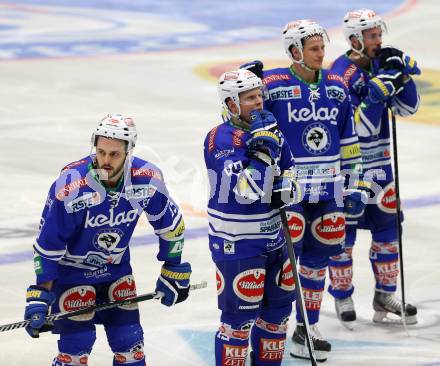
[(378, 78), (250, 171), (82, 256), (313, 110)]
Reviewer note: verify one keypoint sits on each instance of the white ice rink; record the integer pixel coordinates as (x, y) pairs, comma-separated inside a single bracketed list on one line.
[(49, 106)]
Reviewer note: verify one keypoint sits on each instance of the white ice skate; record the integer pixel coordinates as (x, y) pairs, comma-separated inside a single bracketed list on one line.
[(345, 312), (385, 303), (320, 345)]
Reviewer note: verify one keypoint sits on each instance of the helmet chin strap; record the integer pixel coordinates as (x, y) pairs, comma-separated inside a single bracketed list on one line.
[(360, 52), (301, 62), (235, 115), (127, 167), (305, 67)]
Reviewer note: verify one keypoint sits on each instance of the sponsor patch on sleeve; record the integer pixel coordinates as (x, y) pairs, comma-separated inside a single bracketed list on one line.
[(38, 266), (350, 151), (175, 248)]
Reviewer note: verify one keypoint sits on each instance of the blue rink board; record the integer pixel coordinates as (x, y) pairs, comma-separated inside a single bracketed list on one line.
[(101, 27)]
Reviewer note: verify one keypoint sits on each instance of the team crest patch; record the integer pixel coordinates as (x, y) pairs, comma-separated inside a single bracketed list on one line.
[(229, 247), (106, 240), (316, 139)]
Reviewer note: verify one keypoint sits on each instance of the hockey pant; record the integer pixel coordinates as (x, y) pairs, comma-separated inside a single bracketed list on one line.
[(255, 296), (380, 219), (320, 229), (121, 324)]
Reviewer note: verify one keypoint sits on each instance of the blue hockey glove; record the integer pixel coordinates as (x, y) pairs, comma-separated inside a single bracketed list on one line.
[(263, 120), (385, 85), (285, 192), (173, 282), (38, 301), (410, 66), (254, 66), (393, 58), (355, 201), (265, 141)]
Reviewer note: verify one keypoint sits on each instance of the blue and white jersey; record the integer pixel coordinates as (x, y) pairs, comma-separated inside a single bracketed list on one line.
[(372, 119), (317, 121), (241, 222), (85, 229)]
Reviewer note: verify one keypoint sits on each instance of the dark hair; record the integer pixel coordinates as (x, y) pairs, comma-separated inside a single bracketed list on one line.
[(111, 138)]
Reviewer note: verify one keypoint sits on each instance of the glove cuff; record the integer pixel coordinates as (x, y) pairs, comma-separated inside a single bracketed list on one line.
[(176, 272), (380, 85), (40, 294), (265, 133)]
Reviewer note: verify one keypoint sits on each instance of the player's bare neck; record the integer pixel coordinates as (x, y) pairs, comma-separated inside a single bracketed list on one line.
[(111, 183), (240, 123), (360, 60), (309, 76)]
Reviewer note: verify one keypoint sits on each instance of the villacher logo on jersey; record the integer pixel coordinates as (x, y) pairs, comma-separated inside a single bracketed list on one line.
[(220, 281), (296, 225), (287, 279), (122, 289), (249, 285)]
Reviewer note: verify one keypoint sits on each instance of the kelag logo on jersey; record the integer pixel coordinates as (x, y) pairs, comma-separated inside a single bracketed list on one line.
[(316, 139), (124, 217), (106, 240), (306, 114)]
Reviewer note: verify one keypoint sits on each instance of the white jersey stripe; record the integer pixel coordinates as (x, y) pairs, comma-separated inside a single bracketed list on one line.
[(244, 217), (49, 253)]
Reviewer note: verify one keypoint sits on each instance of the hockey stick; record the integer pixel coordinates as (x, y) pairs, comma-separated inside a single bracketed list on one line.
[(399, 215), (108, 305), (298, 287)]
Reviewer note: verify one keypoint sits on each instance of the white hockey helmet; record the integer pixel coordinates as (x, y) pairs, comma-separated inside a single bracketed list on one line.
[(116, 126), (295, 32), (356, 21), (232, 83)]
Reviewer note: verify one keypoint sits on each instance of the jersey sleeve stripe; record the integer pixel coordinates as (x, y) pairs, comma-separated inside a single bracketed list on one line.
[(50, 254)]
